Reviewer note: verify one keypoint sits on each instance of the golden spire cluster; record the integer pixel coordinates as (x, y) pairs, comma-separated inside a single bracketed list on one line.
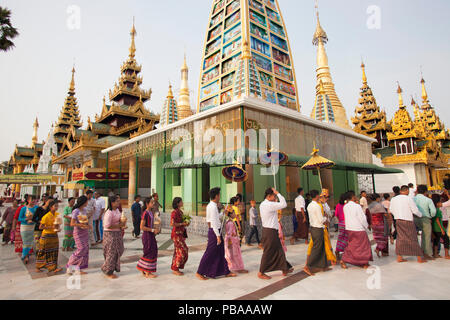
[(133, 44)]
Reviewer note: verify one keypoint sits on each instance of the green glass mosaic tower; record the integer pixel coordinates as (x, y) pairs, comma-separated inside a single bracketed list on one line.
[(247, 53)]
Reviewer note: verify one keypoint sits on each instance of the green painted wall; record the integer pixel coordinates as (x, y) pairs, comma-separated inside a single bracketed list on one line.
[(217, 180), (262, 182), (309, 181)]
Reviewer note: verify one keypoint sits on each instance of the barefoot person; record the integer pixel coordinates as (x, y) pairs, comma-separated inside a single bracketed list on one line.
[(68, 242), (439, 231), (233, 252), (403, 208), (302, 231), (317, 254), (27, 227), (47, 256), (343, 236), (79, 260), (358, 251), (273, 257), (112, 238), (147, 264), (213, 263), (179, 235)]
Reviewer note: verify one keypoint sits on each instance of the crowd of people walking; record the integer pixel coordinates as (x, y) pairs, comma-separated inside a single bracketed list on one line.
[(89, 221)]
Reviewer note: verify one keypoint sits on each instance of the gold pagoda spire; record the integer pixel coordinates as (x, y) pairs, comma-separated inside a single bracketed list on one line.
[(170, 93), (133, 44), (400, 97), (320, 38), (424, 92), (72, 82), (35, 131), (184, 99), (364, 77)]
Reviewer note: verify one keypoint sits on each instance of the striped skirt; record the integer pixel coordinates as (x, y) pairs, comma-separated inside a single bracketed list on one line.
[(80, 258), (27, 234), (68, 242), (379, 232), (407, 242), (112, 251), (47, 256), (358, 251), (342, 238), (149, 261)]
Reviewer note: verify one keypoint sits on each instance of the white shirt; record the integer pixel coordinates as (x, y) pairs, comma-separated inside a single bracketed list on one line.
[(100, 204), (213, 216), (412, 193), (269, 212), (446, 211), (364, 204), (355, 219), (403, 208), (316, 217), (300, 203)]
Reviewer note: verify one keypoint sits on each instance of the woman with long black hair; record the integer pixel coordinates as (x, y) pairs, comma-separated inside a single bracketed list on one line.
[(79, 260), (147, 264), (112, 238), (179, 235)]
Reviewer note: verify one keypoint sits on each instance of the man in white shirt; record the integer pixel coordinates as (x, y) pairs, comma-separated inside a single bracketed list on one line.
[(317, 258), (403, 208), (302, 231), (358, 251), (97, 219), (213, 263), (273, 257)]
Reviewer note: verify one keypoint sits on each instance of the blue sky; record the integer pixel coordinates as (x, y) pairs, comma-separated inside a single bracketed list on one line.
[(35, 76)]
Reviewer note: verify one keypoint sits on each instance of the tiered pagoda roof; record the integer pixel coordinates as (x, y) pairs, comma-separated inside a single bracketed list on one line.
[(125, 117), (169, 112), (27, 156), (69, 116), (402, 125), (369, 119)]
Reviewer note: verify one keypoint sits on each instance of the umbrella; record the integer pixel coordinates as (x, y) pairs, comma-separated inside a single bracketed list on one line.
[(274, 157), (317, 162), (235, 173)]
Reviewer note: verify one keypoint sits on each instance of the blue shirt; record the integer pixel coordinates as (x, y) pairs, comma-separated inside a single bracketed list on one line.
[(425, 205), (22, 215), (136, 210)]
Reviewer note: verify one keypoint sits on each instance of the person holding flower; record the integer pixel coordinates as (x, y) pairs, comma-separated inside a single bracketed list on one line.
[(47, 255), (27, 227), (179, 222)]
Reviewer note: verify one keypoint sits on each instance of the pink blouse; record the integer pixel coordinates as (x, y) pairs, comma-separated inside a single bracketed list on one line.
[(340, 213), (111, 218)]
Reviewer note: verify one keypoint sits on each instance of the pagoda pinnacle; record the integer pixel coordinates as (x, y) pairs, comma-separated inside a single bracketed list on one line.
[(184, 99), (72, 82), (170, 93), (35, 132), (400, 97), (424, 92), (133, 44), (364, 77)]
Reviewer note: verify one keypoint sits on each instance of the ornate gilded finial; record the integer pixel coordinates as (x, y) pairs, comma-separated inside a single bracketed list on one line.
[(424, 91), (320, 35), (185, 66), (400, 97), (413, 102), (246, 51), (170, 93), (133, 45), (72, 82), (364, 77)]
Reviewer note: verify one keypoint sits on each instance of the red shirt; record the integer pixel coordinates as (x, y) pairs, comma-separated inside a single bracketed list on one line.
[(177, 217)]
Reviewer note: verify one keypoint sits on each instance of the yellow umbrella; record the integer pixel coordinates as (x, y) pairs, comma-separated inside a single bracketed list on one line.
[(317, 162)]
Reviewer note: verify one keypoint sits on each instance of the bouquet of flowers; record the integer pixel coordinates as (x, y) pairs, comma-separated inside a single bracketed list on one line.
[(187, 218), (29, 215)]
